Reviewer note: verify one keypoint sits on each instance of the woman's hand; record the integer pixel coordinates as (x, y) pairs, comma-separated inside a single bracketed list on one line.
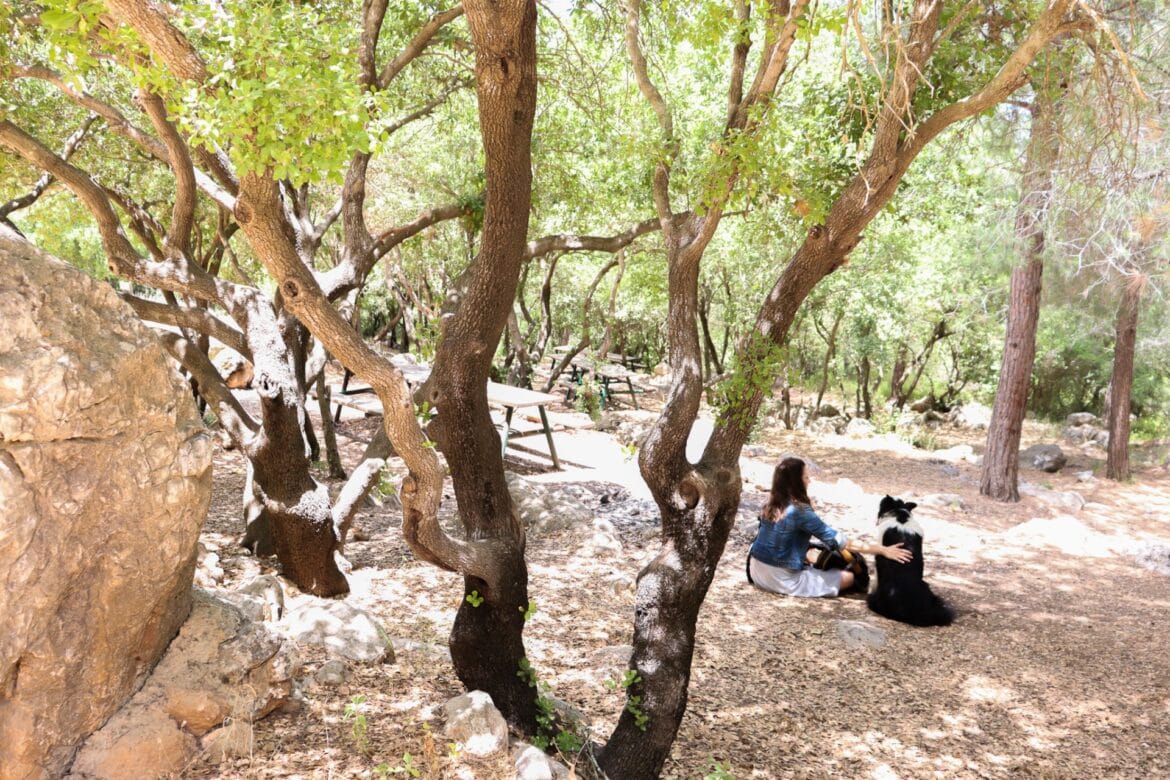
[(897, 552)]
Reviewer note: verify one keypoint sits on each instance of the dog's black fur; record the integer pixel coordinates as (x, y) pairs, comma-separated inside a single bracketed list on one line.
[(901, 594)]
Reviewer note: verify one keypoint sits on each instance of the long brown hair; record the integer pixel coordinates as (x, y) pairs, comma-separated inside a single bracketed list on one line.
[(787, 488)]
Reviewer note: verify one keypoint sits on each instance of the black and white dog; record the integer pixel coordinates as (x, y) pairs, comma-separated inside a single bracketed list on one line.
[(901, 594)]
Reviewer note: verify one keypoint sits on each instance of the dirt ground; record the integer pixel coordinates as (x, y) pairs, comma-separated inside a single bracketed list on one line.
[(1056, 665)]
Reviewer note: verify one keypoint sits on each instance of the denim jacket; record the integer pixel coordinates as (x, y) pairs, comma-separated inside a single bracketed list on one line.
[(784, 543)]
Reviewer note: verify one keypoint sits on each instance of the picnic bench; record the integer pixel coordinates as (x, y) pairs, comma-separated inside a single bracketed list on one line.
[(610, 376), (363, 399)]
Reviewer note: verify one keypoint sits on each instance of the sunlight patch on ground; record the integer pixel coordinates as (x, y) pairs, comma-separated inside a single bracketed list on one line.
[(1067, 534), (983, 689)]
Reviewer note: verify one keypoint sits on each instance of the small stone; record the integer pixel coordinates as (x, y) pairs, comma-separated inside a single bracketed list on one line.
[(946, 500), (474, 722), (1082, 418), (1045, 457), (859, 426), (331, 674), (858, 634), (532, 763)]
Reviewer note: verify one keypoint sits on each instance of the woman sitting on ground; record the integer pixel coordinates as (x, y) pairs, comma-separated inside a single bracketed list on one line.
[(779, 559)]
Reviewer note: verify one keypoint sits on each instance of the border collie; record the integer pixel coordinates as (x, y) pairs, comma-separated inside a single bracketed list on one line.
[(901, 594)]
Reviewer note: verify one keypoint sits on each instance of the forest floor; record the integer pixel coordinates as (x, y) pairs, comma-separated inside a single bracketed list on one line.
[(1056, 666)]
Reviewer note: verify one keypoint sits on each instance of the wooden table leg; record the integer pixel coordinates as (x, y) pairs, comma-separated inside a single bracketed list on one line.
[(552, 450), (633, 397)]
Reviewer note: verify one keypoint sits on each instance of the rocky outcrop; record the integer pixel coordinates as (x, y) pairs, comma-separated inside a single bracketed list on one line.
[(105, 477), (222, 673)]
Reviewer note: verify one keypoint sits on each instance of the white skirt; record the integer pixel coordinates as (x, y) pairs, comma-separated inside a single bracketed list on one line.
[(805, 583)]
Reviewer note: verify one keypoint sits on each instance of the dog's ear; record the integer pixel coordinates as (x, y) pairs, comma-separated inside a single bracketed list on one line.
[(909, 506), (887, 503)]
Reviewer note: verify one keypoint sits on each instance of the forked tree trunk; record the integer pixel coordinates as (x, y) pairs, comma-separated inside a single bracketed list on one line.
[(830, 352), (1121, 383), (999, 477)]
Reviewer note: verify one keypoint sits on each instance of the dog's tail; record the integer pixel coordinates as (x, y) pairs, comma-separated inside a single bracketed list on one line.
[(748, 568), (934, 610)]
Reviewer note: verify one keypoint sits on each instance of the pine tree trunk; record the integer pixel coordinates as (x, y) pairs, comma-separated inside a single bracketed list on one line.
[(1001, 460), (1121, 383)]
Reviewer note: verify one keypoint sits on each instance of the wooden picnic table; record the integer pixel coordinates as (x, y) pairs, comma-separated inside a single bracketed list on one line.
[(611, 376), (363, 399)]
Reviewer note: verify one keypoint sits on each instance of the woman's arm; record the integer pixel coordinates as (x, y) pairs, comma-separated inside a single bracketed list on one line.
[(807, 519), (895, 552)]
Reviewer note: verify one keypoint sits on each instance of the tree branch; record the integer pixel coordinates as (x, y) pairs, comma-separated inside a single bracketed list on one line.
[(179, 275), (42, 183), (193, 318), (118, 123), (418, 44), (570, 242), (661, 110), (235, 420), (161, 37), (355, 490), (739, 55), (183, 212)]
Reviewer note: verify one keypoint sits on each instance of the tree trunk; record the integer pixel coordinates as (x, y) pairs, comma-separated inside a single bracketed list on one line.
[(295, 507), (336, 468), (486, 641), (897, 374), (1121, 383), (863, 372), (670, 593), (1001, 460), (830, 350)]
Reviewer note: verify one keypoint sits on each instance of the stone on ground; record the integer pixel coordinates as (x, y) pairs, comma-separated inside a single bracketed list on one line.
[(343, 630), (1061, 499), (474, 722), (1045, 457), (972, 415), (100, 448), (532, 763), (857, 634)]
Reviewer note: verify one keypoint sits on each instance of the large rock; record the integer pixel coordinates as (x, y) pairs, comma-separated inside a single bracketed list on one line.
[(1061, 499), (544, 510), (342, 629), (1082, 418), (105, 477), (222, 670), (1045, 457), (972, 415)]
